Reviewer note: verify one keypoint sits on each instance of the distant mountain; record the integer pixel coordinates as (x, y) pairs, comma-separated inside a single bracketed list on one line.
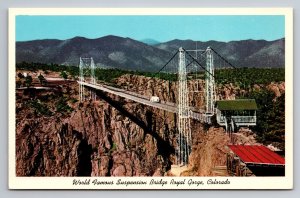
[(126, 53), (150, 41), (245, 53), (107, 52)]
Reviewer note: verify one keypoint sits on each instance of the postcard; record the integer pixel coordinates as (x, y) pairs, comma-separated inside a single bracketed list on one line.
[(150, 98)]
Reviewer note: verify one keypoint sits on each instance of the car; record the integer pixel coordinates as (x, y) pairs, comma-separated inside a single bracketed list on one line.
[(154, 99)]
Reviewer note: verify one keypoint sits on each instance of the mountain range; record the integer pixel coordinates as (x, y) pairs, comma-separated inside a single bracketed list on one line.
[(129, 54), (150, 41)]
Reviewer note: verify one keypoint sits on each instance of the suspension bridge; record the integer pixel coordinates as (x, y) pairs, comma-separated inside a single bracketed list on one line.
[(184, 62)]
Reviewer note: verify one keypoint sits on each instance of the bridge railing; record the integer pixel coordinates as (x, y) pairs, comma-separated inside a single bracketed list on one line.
[(164, 105), (138, 95), (239, 119)]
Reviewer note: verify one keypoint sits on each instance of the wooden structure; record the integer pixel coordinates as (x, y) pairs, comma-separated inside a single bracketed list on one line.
[(231, 113)]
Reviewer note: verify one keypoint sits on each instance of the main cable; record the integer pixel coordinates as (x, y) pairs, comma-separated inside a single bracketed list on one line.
[(223, 59), (168, 62), (198, 63)]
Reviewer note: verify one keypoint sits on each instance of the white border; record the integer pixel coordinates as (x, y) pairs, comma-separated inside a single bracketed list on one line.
[(235, 182)]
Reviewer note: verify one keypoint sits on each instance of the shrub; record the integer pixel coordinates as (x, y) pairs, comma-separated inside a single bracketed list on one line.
[(18, 83), (20, 75), (113, 148), (40, 108), (73, 100), (28, 81), (270, 125), (42, 79), (64, 75), (62, 106)]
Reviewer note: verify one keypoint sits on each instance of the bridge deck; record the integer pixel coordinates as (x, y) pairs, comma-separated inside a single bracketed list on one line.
[(166, 106)]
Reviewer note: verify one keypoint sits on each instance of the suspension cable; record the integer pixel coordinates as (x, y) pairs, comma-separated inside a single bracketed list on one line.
[(223, 59), (168, 62), (189, 63), (196, 58), (199, 63)]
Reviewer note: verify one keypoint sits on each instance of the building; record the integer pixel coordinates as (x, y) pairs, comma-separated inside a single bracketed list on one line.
[(254, 160), (231, 113)]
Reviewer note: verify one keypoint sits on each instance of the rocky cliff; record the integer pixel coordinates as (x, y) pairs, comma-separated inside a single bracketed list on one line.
[(109, 137), (113, 136)]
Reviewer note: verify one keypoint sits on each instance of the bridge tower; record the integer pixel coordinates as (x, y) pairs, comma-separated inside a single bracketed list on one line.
[(86, 68), (184, 139), (210, 83)]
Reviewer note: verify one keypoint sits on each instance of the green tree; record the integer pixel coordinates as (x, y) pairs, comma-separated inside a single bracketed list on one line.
[(40, 108), (18, 83), (270, 125), (42, 80), (20, 75), (28, 81), (64, 75), (62, 106)]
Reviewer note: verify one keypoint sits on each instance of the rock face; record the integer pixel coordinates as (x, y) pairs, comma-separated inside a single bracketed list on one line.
[(277, 88), (208, 151), (117, 137), (165, 90), (210, 148), (96, 140), (110, 137), (56, 151)]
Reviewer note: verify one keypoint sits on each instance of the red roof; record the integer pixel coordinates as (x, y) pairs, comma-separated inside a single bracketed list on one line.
[(257, 155)]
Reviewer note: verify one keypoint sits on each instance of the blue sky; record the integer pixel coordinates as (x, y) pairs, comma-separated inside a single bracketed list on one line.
[(160, 28)]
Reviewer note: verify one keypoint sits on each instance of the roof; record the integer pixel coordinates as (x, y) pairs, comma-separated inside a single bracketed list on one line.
[(257, 155), (241, 104)]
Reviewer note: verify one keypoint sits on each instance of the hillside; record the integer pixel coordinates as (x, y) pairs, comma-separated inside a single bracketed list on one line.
[(245, 53), (128, 54), (107, 52)]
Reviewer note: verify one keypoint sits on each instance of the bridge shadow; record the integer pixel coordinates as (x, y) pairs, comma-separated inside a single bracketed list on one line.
[(163, 146)]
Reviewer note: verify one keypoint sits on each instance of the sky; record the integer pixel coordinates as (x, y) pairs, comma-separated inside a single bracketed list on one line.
[(160, 28)]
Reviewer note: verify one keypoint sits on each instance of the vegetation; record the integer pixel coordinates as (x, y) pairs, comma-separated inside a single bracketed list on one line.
[(18, 83), (73, 100), (62, 106), (270, 117), (242, 77), (20, 75), (113, 148), (64, 75), (108, 75), (28, 81), (48, 97), (42, 79), (42, 66), (71, 70), (246, 77), (40, 108)]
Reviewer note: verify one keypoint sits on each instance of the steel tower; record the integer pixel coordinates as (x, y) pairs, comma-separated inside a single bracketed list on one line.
[(86, 68), (210, 83), (184, 139)]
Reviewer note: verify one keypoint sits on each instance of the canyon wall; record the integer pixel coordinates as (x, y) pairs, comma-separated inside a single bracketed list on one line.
[(117, 137)]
